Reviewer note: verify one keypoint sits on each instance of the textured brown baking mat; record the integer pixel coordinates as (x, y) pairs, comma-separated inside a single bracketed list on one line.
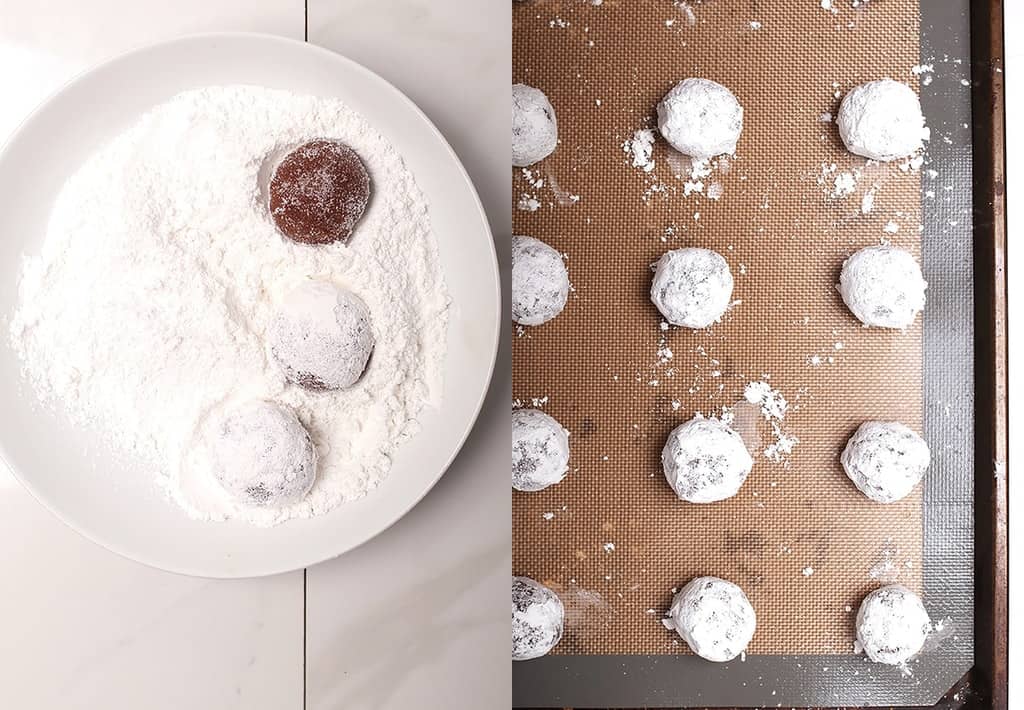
[(799, 538)]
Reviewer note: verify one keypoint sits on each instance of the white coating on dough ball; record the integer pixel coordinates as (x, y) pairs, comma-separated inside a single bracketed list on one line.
[(321, 336), (534, 126), (892, 625), (261, 454), (705, 461), (714, 617), (540, 281), (537, 619), (540, 450), (882, 120), (700, 118), (885, 460), (692, 287), (883, 286)]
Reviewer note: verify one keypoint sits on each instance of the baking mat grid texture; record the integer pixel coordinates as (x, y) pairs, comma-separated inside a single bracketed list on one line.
[(801, 541)]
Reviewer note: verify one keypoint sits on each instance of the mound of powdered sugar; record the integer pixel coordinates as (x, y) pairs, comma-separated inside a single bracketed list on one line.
[(147, 309)]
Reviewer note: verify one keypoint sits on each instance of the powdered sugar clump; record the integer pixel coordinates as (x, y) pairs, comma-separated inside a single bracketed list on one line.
[(147, 308)]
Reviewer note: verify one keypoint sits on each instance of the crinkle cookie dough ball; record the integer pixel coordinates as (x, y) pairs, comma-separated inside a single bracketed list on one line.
[(883, 286), (261, 454), (537, 619), (885, 460), (714, 617), (540, 450), (540, 282), (692, 287), (534, 126), (705, 461), (321, 336), (882, 120), (700, 118), (892, 625)]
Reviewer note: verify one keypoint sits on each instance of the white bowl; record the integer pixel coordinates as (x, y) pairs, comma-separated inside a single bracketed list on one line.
[(93, 490)]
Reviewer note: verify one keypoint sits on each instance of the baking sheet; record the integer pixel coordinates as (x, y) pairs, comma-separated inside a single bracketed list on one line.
[(800, 540)]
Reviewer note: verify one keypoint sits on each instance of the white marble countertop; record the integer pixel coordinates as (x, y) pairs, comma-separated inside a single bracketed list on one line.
[(415, 618)]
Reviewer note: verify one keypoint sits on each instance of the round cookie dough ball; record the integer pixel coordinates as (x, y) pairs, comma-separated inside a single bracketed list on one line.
[(318, 192), (700, 118), (321, 336), (540, 282), (892, 625), (883, 286), (705, 461), (882, 120), (534, 126), (540, 450), (714, 617), (692, 287), (537, 619), (885, 460), (261, 454)]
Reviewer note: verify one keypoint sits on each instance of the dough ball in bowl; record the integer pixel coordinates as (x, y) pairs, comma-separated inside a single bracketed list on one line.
[(318, 192), (540, 450), (705, 461), (892, 625), (537, 619), (882, 120), (261, 454), (885, 460), (692, 287), (321, 336), (534, 126), (540, 282), (701, 118), (883, 286), (714, 617)]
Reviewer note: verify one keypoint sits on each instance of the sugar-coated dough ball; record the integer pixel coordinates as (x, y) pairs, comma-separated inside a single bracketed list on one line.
[(540, 282), (261, 454), (705, 461), (892, 625), (537, 619), (885, 460), (700, 118), (883, 286), (692, 287), (534, 126), (882, 120), (321, 336), (714, 617), (540, 450)]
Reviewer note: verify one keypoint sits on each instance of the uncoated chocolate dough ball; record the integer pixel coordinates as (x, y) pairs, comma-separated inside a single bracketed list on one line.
[(318, 192)]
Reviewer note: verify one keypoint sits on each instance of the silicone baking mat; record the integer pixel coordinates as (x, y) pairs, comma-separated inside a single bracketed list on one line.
[(612, 538)]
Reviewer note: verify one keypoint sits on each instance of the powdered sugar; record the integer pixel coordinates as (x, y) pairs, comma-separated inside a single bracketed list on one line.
[(147, 310)]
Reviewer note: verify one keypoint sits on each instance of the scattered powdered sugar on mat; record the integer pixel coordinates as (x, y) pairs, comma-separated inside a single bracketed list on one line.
[(146, 310)]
